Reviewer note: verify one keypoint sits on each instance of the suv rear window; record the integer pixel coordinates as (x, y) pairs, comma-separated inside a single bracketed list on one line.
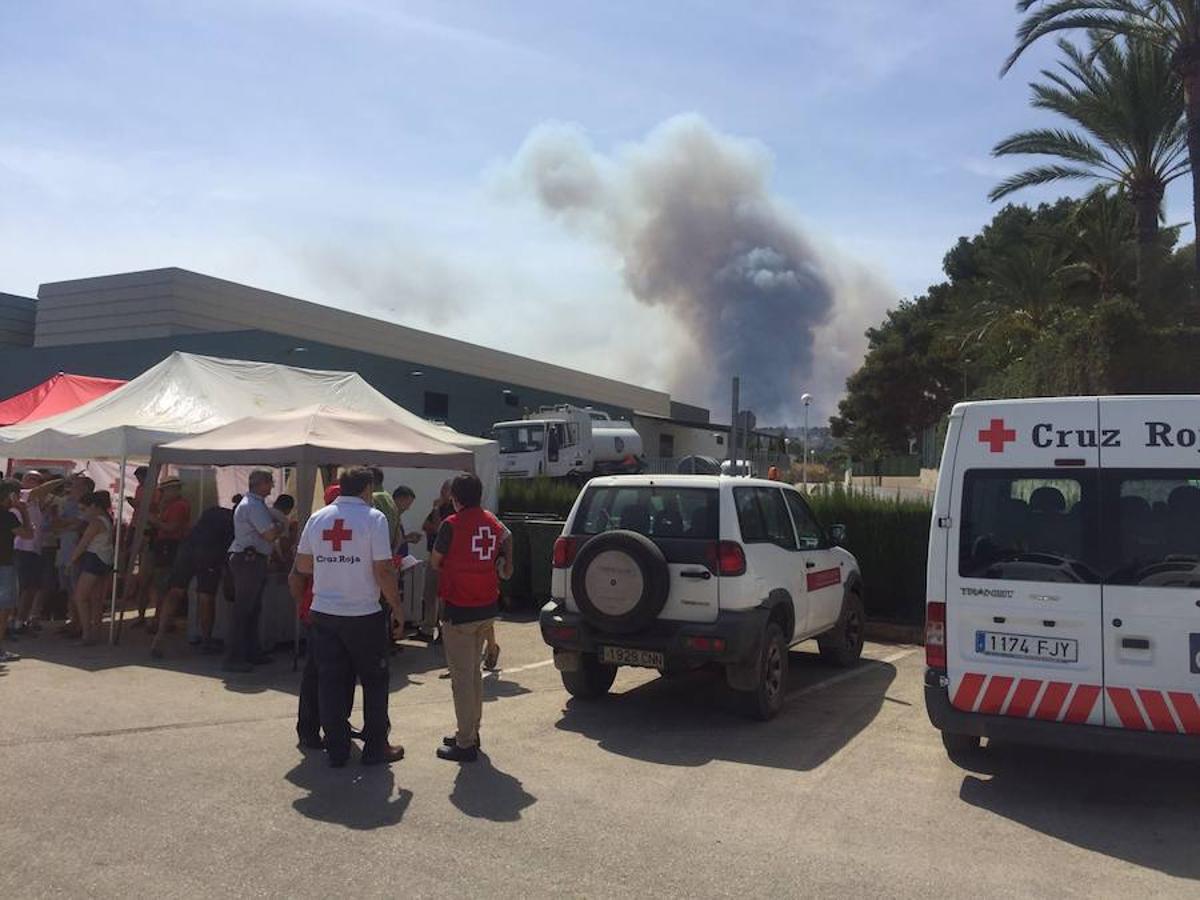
[(662, 512)]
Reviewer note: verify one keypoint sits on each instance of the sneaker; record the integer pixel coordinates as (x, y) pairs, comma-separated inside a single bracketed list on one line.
[(7, 656), (458, 754), (452, 741), (388, 753), (491, 658)]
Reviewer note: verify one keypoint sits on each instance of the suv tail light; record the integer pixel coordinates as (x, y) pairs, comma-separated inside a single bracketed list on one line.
[(726, 558), (565, 549), (935, 634)]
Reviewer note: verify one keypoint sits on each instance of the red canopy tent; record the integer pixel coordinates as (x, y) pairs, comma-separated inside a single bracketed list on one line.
[(55, 395)]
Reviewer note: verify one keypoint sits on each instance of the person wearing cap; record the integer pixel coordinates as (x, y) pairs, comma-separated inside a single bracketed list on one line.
[(201, 556), (254, 531), (347, 549), (171, 523)]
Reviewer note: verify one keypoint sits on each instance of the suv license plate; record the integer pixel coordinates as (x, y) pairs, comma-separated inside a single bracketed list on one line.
[(1027, 646), (623, 656)]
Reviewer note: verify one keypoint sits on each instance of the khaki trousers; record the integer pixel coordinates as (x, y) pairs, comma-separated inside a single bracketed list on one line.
[(464, 648)]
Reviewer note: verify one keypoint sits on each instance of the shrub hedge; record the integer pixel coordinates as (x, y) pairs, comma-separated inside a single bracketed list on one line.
[(890, 538)]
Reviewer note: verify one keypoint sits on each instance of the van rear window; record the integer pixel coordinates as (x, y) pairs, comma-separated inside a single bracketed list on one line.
[(1030, 525), (657, 512), (1135, 527), (1155, 538)]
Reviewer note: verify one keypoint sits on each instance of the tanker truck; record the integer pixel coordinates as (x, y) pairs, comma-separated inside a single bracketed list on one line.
[(567, 442)]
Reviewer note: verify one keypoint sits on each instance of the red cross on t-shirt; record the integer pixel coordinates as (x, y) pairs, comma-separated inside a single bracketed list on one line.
[(997, 436), (338, 533)]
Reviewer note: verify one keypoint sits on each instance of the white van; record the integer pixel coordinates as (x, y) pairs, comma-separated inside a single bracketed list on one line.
[(1063, 590)]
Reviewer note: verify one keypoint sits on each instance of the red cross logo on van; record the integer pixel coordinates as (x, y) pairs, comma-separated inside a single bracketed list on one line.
[(997, 436), (338, 533)]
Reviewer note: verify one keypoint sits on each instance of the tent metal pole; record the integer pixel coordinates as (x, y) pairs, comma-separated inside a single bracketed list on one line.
[(112, 603)]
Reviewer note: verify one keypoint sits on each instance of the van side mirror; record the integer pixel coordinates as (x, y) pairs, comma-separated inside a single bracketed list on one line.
[(837, 533)]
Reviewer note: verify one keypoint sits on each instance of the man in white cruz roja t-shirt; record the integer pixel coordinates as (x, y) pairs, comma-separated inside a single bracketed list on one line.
[(346, 547)]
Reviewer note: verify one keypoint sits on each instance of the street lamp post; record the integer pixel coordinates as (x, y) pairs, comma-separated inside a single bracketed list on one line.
[(806, 400)]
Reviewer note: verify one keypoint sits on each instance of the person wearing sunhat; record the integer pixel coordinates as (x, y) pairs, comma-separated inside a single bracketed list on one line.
[(171, 521)]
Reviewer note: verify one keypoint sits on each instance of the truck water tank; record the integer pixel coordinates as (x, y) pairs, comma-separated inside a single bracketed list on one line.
[(615, 441)]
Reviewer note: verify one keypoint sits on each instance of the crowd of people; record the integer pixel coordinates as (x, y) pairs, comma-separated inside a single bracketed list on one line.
[(57, 539)]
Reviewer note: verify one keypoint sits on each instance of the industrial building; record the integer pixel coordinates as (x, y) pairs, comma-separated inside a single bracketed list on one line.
[(117, 326)]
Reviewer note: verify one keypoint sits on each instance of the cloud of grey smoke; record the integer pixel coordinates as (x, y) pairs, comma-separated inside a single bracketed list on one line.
[(699, 235)]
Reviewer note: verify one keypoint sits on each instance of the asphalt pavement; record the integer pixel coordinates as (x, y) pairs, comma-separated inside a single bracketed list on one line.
[(124, 776)]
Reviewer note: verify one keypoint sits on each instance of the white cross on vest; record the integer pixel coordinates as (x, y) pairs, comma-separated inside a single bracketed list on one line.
[(483, 543)]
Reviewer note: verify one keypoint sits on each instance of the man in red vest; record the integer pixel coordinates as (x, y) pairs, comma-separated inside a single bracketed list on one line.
[(472, 553)]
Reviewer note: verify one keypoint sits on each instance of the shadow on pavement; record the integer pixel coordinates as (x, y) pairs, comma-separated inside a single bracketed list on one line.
[(1141, 810), (482, 791), (690, 720), (360, 797), (134, 650)]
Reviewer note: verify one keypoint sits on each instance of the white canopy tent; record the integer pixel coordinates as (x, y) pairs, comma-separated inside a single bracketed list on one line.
[(307, 438), (188, 395)]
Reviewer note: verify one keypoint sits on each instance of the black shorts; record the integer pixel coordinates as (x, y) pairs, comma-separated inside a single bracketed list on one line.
[(29, 568), (205, 564), (93, 565)]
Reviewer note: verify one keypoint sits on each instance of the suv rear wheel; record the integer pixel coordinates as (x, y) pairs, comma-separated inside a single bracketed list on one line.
[(765, 700), (842, 645), (591, 680)]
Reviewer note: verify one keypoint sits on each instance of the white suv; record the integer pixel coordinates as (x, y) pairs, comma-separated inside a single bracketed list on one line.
[(677, 571)]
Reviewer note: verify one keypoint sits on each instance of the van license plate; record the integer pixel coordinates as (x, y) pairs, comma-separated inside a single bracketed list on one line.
[(623, 656), (1027, 646)]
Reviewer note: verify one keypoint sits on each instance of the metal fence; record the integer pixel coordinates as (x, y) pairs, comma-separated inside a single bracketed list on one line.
[(758, 464)]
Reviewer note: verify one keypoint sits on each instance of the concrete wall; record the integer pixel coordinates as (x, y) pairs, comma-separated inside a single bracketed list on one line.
[(16, 320), (475, 403), (170, 303)]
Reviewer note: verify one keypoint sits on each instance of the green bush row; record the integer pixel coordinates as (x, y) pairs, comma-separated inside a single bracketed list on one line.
[(537, 496), (890, 538)]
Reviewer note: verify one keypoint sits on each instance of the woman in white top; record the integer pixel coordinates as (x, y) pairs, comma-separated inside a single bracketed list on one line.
[(94, 553)]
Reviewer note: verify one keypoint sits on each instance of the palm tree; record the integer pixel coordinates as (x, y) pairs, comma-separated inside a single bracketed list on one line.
[(1171, 25), (1129, 108)]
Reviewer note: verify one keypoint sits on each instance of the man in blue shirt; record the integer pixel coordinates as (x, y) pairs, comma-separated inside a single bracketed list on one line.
[(254, 532)]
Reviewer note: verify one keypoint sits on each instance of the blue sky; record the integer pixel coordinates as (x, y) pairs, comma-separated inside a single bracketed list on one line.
[(355, 153)]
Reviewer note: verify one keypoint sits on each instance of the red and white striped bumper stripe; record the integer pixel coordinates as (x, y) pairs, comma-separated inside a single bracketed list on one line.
[(1026, 698), (1149, 709), (1140, 709)]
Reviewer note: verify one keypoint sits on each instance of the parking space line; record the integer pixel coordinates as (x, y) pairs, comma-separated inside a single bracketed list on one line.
[(853, 673)]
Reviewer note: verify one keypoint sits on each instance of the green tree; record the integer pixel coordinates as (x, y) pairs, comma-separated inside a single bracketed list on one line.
[(1131, 136), (1171, 25)]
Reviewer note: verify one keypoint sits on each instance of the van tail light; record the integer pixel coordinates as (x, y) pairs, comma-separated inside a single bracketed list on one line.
[(935, 634), (727, 559), (565, 549)]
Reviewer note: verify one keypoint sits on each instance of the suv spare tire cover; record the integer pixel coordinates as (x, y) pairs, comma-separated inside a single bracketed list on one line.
[(620, 581)]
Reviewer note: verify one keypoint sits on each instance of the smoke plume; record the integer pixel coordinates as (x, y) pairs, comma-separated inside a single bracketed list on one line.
[(698, 234)]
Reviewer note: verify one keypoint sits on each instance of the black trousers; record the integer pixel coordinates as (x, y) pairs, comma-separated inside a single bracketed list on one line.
[(349, 647), (249, 571), (308, 718)]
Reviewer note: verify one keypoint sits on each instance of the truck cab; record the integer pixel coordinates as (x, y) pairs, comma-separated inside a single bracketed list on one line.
[(566, 441)]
